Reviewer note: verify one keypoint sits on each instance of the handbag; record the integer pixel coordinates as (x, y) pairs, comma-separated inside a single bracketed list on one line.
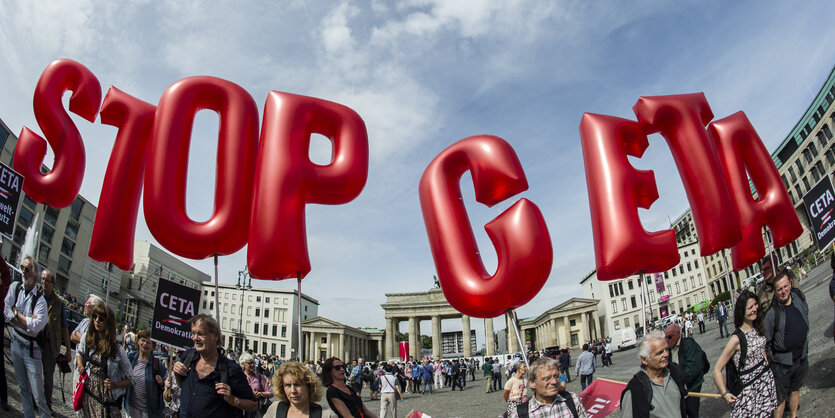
[(397, 395), (79, 392), (263, 404)]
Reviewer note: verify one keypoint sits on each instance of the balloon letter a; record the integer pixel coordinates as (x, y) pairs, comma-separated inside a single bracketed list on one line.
[(519, 234), (741, 150)]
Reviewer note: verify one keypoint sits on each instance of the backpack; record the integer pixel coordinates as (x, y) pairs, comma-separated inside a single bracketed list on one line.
[(41, 338), (523, 408), (733, 376)]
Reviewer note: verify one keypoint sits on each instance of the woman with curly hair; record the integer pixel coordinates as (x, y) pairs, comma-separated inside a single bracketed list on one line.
[(107, 366), (298, 389)]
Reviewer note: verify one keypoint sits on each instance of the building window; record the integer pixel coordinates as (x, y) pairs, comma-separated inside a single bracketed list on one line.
[(792, 175), (629, 285), (275, 330), (626, 321), (25, 217), (267, 300), (51, 215), (67, 247), (72, 229), (204, 305), (696, 263), (265, 328), (634, 303), (75, 209), (678, 289), (64, 264), (617, 325), (684, 281), (614, 307), (283, 350), (255, 328), (284, 331), (623, 303), (572, 322), (258, 298), (47, 232), (257, 312), (266, 313), (273, 352)]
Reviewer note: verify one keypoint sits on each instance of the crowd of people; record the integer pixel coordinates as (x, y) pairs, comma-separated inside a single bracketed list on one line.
[(764, 364)]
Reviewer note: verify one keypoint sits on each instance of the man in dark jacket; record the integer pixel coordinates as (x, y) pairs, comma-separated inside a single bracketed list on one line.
[(690, 357), (565, 363), (786, 330), (657, 390)]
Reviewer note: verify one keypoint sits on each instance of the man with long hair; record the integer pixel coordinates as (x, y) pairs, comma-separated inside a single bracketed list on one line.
[(26, 310)]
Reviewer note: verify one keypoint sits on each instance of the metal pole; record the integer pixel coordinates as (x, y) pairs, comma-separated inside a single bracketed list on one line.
[(299, 344), (727, 272), (109, 268), (217, 294), (771, 255), (513, 321), (643, 302)]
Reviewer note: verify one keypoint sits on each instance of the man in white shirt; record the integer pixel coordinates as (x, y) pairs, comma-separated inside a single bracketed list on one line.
[(701, 322), (27, 312)]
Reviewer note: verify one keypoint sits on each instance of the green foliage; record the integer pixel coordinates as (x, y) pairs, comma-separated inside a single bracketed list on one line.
[(142, 327), (722, 297)]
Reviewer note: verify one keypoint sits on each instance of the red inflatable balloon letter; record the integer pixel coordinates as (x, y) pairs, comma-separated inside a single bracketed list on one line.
[(741, 150), (165, 176), (59, 187), (286, 179), (616, 190), (519, 234), (114, 230), (681, 119)]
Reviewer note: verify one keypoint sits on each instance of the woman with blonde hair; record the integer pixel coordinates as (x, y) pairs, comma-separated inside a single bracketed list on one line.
[(107, 366), (298, 390)]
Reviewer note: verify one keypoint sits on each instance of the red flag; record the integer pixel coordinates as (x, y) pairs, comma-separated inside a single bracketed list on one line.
[(404, 350), (602, 397)]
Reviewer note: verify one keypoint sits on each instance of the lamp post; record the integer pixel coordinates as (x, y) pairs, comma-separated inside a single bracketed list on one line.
[(242, 285)]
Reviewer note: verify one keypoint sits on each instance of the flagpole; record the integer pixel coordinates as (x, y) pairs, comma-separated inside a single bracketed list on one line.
[(515, 322), (217, 294), (299, 343)]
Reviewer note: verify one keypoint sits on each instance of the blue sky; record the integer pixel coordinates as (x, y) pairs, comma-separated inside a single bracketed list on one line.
[(422, 75)]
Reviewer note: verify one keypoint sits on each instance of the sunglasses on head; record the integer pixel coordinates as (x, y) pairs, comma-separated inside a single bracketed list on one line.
[(339, 367)]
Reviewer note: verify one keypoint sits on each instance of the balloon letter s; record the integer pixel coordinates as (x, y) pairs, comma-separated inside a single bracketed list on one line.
[(520, 234), (59, 187)]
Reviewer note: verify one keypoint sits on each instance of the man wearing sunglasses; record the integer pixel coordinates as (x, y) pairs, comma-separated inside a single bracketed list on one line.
[(26, 310)]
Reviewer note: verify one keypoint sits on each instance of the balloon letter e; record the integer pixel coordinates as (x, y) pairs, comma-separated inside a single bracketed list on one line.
[(519, 234)]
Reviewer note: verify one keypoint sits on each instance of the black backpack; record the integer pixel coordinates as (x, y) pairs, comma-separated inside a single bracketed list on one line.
[(41, 338), (523, 408), (733, 376)]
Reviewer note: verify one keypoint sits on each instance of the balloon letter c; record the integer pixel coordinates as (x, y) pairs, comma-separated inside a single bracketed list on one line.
[(286, 179), (165, 175), (520, 234), (616, 190), (741, 150), (59, 187)]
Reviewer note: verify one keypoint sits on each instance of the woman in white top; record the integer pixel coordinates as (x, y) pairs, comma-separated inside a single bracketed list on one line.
[(515, 389), (389, 388)]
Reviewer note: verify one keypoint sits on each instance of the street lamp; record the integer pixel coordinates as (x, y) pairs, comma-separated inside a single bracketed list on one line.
[(242, 285)]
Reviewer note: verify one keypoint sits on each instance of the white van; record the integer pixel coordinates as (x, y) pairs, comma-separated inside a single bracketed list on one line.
[(627, 338)]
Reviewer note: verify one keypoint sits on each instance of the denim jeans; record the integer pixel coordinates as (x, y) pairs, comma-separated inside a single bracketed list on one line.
[(29, 373), (427, 383), (585, 380)]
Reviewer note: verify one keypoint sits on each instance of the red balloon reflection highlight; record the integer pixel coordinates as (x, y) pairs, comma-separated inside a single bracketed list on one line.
[(622, 246), (681, 119), (741, 150), (165, 176), (519, 234), (60, 186), (287, 180), (113, 232)]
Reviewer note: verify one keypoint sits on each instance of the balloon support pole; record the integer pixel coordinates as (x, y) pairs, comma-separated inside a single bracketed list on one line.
[(644, 296), (217, 293), (300, 343), (109, 268), (515, 323)]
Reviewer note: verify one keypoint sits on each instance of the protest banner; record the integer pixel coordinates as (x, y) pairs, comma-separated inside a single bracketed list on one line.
[(820, 202), (175, 305), (10, 186)]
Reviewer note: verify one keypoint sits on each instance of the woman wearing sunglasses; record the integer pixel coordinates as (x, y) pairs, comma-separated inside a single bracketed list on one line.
[(107, 366), (342, 400)]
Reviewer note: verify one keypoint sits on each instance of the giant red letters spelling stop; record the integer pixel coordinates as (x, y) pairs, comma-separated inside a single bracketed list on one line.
[(263, 185)]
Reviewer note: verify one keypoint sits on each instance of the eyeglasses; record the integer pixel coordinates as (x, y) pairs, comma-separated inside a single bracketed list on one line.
[(555, 377), (200, 334), (98, 318), (339, 367)]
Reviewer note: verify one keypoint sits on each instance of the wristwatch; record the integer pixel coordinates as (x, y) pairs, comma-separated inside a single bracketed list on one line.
[(236, 402)]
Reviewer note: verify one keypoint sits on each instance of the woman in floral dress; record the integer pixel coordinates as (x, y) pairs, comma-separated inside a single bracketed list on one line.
[(759, 395), (106, 364)]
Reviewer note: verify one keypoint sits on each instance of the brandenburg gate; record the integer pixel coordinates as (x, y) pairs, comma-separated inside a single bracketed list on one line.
[(430, 305)]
